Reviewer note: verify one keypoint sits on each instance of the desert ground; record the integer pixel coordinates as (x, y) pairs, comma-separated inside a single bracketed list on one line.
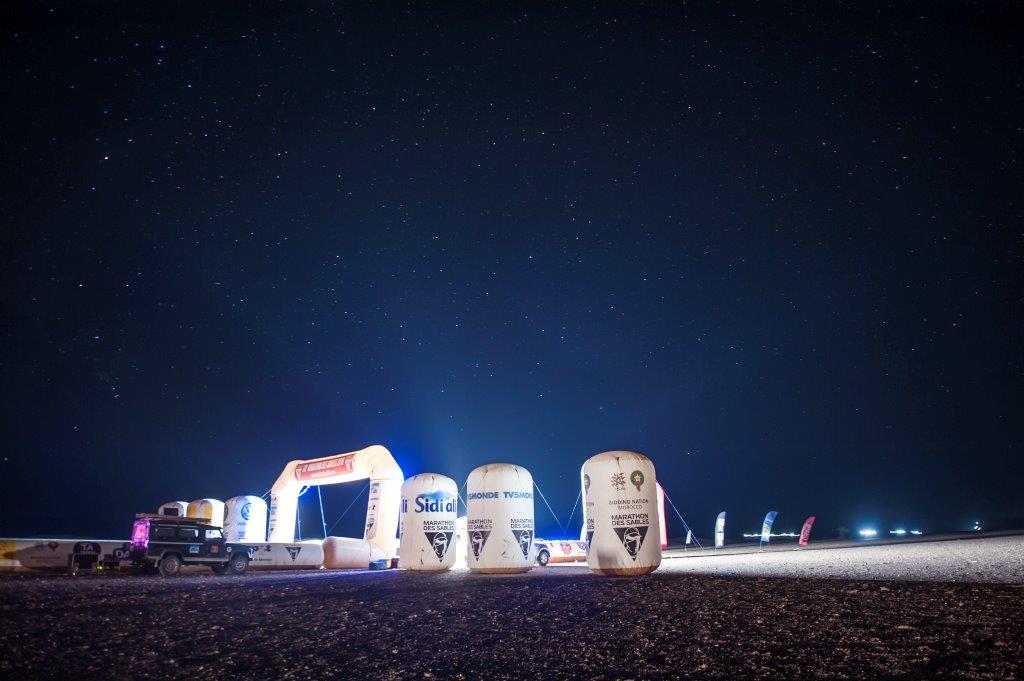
[(938, 609)]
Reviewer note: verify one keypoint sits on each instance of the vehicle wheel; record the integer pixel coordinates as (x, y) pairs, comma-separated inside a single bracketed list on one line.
[(238, 564), (221, 569), (543, 557), (170, 565)]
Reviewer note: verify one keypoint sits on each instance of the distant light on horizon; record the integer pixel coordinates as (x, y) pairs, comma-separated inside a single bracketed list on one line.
[(899, 532), (868, 532)]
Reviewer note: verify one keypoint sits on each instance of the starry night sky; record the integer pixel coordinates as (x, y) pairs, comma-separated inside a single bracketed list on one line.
[(777, 249)]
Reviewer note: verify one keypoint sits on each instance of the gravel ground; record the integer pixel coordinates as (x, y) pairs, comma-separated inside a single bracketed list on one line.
[(556, 622), (991, 559)]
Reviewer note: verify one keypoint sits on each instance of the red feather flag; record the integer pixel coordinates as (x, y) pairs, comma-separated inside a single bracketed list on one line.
[(805, 533)]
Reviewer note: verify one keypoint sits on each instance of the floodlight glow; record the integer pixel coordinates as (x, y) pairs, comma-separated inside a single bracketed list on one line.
[(898, 532), (868, 532), (915, 532)]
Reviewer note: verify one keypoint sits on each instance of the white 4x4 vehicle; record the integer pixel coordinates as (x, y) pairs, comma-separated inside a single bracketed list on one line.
[(559, 551)]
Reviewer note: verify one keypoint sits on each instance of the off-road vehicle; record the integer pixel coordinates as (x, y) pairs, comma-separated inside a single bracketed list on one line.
[(168, 542)]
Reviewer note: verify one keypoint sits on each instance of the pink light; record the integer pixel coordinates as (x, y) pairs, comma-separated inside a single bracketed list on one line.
[(140, 534)]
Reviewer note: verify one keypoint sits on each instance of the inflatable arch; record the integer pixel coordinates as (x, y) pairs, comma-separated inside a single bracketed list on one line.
[(374, 463)]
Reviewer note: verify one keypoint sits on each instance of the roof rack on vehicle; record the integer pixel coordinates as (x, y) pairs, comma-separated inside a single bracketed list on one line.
[(171, 518)]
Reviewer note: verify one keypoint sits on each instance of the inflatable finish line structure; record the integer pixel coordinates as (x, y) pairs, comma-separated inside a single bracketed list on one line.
[(375, 464)]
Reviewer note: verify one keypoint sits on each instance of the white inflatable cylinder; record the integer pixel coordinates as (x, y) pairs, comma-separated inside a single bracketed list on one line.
[(499, 519), (427, 523), (208, 510), (245, 519), (621, 501), (348, 552), (173, 508)]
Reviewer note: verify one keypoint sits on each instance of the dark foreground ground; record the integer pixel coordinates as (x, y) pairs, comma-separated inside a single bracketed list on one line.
[(554, 623)]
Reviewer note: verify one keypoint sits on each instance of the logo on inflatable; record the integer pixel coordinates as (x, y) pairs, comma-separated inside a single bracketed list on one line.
[(439, 542), (434, 502), (632, 539), (637, 478), (525, 539), (515, 494), (477, 539), (335, 465), (619, 481), (293, 551), (246, 509), (586, 482)]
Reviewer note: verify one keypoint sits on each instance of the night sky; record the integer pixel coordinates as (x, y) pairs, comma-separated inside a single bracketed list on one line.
[(776, 249)]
